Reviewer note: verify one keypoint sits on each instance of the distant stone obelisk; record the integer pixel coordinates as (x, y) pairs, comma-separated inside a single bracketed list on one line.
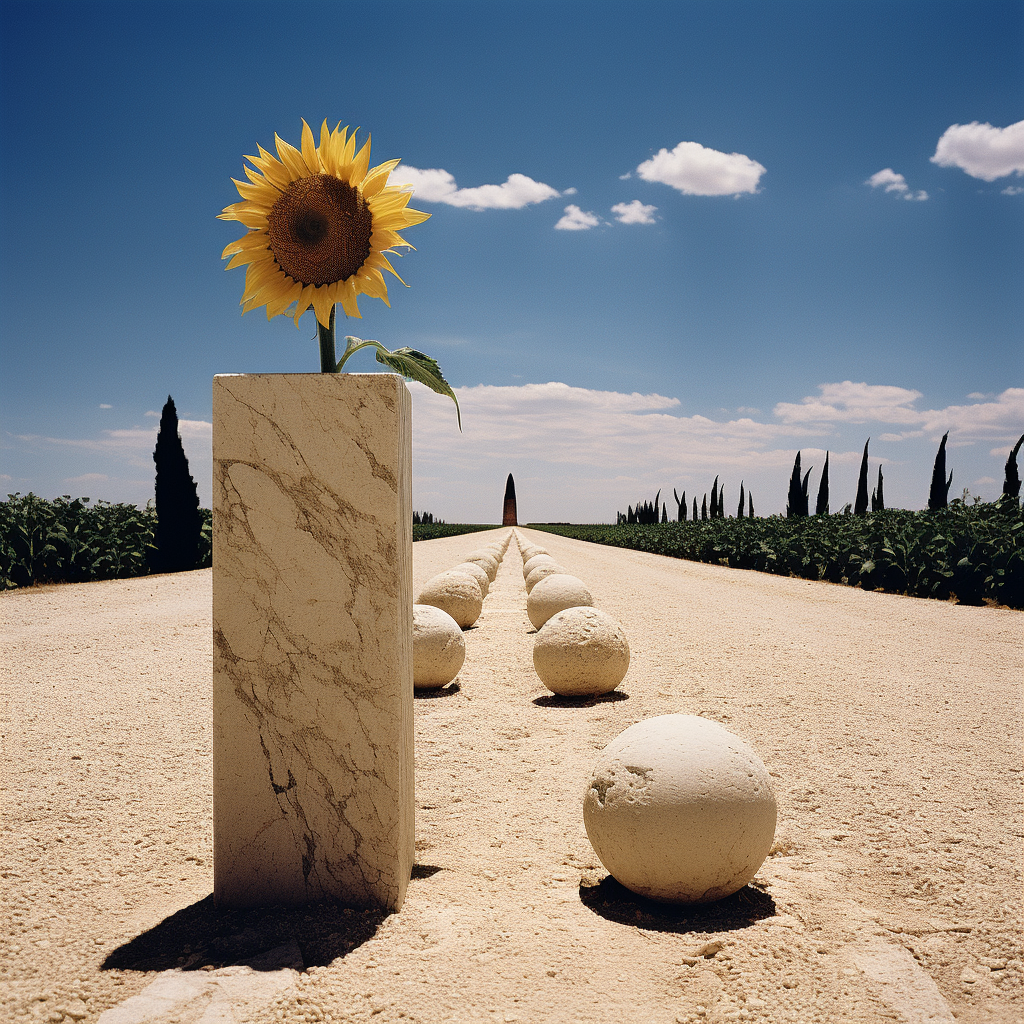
[(508, 515)]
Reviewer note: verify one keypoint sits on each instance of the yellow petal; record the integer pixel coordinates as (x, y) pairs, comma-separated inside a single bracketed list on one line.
[(309, 149), (302, 303), (242, 258), (252, 240), (376, 180), (349, 303), (263, 194), (291, 158), (273, 170), (360, 164), (322, 305), (255, 219)]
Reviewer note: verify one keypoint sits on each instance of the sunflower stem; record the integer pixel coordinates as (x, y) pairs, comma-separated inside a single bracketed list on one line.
[(328, 360)]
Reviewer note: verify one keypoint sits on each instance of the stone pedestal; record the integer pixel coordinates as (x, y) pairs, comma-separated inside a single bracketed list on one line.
[(312, 621)]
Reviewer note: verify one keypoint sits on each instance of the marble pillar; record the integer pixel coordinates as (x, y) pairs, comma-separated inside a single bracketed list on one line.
[(312, 622)]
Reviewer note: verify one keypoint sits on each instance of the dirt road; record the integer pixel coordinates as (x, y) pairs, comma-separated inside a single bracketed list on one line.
[(892, 727)]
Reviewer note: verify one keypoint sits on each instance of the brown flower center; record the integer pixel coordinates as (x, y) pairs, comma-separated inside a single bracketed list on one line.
[(320, 230)]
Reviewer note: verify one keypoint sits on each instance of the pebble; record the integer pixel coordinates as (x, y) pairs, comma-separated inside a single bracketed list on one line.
[(438, 647), (679, 809), (553, 594), (456, 593), (581, 651)]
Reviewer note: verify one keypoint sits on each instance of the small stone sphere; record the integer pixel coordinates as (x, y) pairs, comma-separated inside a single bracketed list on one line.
[(540, 571), (680, 810), (456, 593), (488, 561), (581, 652), (478, 572), (531, 563), (554, 593), (438, 647), (530, 550)]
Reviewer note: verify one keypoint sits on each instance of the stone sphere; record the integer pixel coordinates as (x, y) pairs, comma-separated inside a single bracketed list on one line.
[(438, 647), (531, 563), (541, 570), (554, 593), (478, 572), (456, 593), (488, 561), (530, 550), (680, 810), (581, 652)]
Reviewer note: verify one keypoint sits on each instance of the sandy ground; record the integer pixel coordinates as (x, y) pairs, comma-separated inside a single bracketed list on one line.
[(892, 727)]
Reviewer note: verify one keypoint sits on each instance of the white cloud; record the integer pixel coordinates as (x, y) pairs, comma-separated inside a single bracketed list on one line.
[(634, 213), (438, 186), (105, 406), (852, 403), (626, 176), (578, 454), (697, 171), (576, 219), (981, 150), (569, 192), (1013, 190), (893, 182), (848, 402)]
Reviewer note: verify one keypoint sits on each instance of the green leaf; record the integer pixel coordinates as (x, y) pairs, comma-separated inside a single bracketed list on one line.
[(419, 366)]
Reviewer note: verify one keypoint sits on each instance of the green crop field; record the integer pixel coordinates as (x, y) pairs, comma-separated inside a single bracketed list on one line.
[(974, 553), (68, 540), (432, 531)]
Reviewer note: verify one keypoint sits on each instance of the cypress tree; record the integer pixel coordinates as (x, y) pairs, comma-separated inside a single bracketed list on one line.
[(821, 505), (860, 506), (739, 509), (681, 503), (178, 523), (796, 502), (750, 502), (664, 512), (938, 494), (714, 499), (877, 500), (721, 502), (704, 508), (1011, 479), (695, 508)]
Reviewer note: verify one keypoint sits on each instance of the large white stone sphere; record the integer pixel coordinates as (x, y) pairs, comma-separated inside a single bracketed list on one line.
[(487, 561), (531, 563), (581, 652), (552, 594), (478, 572), (456, 593), (530, 550), (680, 810), (438, 647), (541, 570)]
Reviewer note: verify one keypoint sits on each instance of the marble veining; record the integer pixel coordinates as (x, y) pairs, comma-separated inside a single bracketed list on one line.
[(312, 638)]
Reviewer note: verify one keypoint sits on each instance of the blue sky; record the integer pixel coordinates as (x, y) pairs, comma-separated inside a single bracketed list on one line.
[(717, 233)]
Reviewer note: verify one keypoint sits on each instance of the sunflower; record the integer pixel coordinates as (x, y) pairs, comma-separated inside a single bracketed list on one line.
[(321, 225)]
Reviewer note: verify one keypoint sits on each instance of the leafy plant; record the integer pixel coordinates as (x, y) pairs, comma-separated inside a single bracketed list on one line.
[(973, 553)]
